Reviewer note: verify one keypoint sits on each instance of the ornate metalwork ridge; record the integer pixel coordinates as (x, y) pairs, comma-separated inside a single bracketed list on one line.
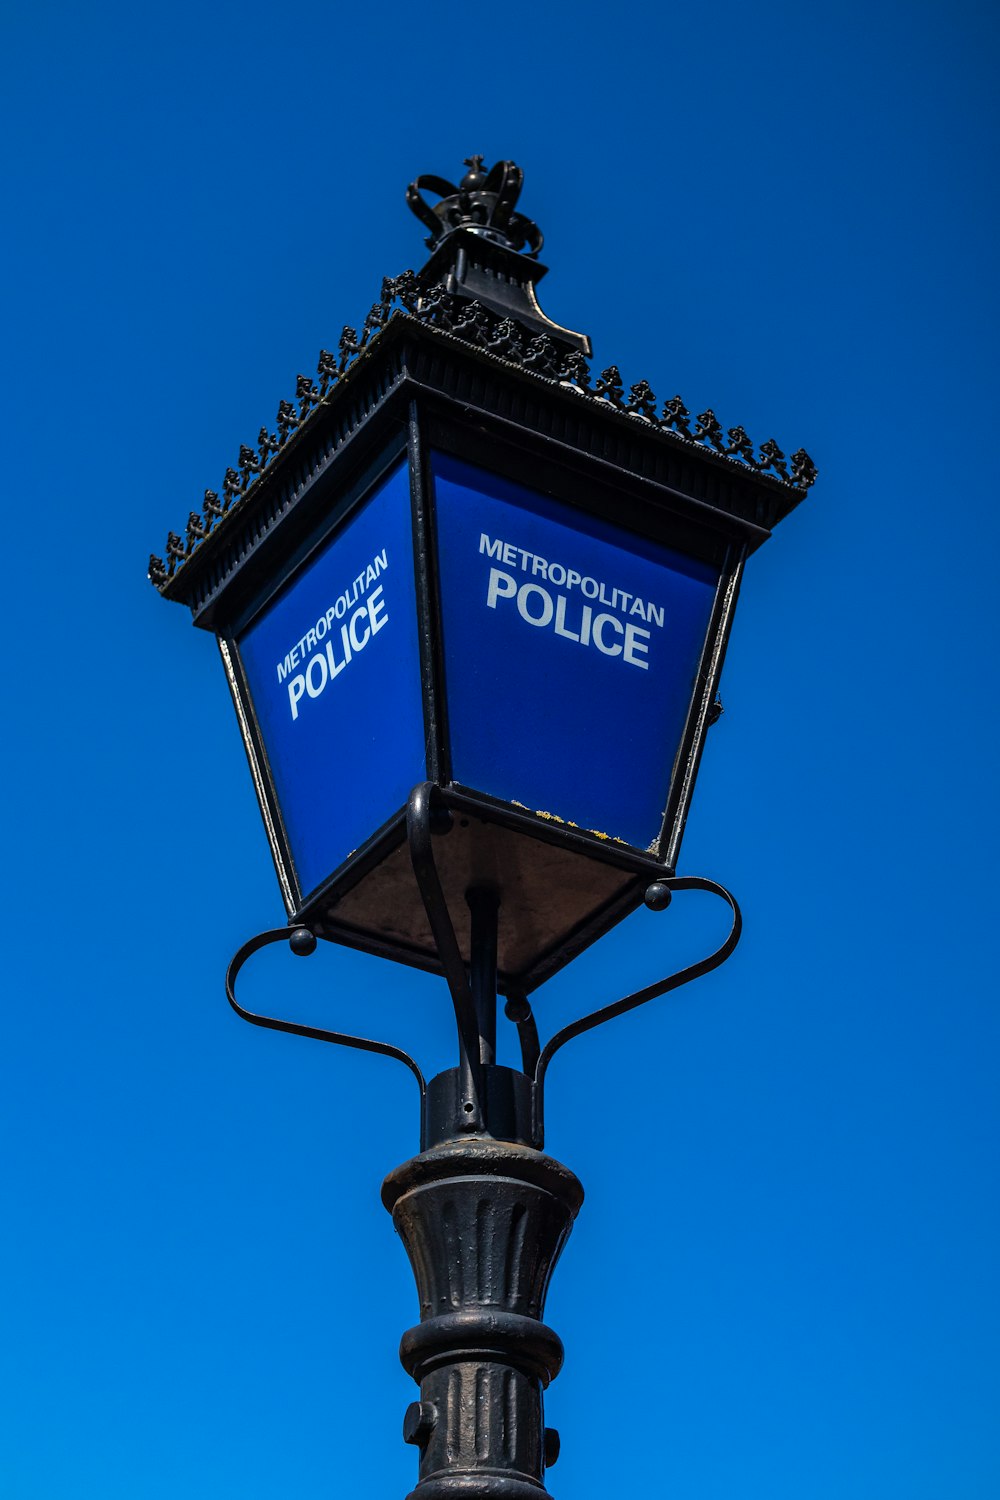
[(503, 338)]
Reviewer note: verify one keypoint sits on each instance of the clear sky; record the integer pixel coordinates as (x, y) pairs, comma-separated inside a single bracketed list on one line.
[(784, 1280)]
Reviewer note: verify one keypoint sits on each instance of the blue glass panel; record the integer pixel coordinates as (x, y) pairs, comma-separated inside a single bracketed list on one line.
[(334, 674), (571, 652)]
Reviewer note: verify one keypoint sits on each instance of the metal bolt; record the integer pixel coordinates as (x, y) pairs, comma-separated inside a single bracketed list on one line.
[(441, 819), (552, 1446), (418, 1423)]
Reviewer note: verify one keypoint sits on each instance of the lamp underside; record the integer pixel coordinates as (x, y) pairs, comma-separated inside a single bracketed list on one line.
[(554, 901)]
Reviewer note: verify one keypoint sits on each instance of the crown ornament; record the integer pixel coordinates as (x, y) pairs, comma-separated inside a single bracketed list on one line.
[(484, 202), (483, 250)]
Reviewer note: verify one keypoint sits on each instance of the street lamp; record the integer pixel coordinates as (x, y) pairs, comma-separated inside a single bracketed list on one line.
[(472, 604)]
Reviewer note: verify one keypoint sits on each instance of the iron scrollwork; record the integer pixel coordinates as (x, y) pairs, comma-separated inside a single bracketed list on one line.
[(504, 339)]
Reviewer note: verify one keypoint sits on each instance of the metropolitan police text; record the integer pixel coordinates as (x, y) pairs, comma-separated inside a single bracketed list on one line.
[(335, 649), (546, 608)]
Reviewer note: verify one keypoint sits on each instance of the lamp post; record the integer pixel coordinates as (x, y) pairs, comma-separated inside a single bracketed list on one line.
[(472, 603)]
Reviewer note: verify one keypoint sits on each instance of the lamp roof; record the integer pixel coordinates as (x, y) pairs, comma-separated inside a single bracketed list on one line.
[(474, 299)]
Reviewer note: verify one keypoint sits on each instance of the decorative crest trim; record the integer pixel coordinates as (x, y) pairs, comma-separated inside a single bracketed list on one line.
[(505, 339)]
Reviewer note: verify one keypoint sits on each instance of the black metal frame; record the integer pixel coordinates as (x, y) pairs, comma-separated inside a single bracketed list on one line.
[(473, 997), (500, 452), (502, 447), (345, 503)]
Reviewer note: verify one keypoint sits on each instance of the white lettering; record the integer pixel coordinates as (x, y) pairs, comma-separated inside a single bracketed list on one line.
[(523, 594), (503, 585), (633, 644), (335, 666), (560, 626), (543, 607), (376, 610), (314, 689), (494, 592), (357, 630), (360, 614), (619, 629)]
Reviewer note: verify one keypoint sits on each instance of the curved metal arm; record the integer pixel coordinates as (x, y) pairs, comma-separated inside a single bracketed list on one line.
[(419, 205), (518, 1009), (639, 997), (419, 819), (506, 179), (315, 1033)]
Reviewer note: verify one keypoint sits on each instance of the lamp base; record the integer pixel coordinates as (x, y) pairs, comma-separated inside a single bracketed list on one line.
[(483, 1222)]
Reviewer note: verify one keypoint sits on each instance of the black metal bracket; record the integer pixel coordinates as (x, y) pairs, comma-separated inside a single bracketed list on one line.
[(421, 816), (303, 942), (518, 1009), (658, 897), (426, 818)]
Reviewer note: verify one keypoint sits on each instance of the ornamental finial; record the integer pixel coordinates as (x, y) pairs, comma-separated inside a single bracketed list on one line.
[(484, 201)]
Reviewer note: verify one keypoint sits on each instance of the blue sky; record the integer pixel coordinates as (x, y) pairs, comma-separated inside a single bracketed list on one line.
[(783, 1282)]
